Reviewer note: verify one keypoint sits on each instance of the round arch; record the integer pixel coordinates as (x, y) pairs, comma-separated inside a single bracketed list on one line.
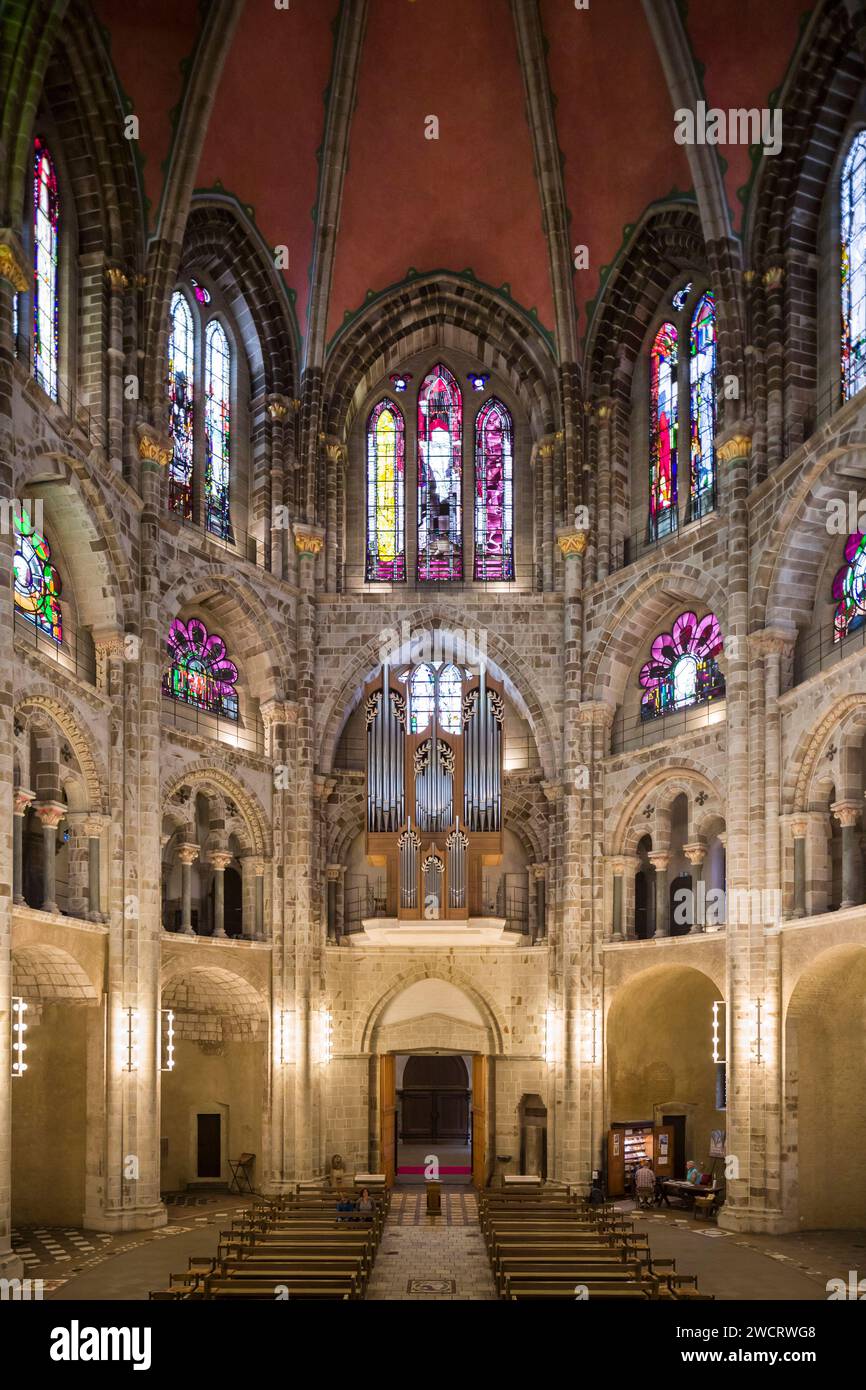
[(204, 774), (368, 1038)]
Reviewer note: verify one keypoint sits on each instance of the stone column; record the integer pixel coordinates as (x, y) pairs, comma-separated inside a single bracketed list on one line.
[(799, 830), (660, 859), (219, 861), (617, 866), (332, 875), (604, 415), (696, 853), (773, 282), (93, 828), (847, 813), (255, 865), (22, 798), (50, 813), (114, 356), (278, 408), (336, 456), (187, 854), (539, 878)]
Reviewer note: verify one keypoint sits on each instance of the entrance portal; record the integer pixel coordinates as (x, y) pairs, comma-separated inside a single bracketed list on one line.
[(434, 1118)]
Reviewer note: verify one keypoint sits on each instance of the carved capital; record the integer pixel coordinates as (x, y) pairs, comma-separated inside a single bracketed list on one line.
[(255, 864), (596, 712), (324, 786), (219, 860), (22, 797), (187, 853), (309, 539), (552, 791), (278, 407), (50, 813), (847, 813), (278, 712), (660, 859), (799, 827), (772, 278), (773, 641), (696, 852), (93, 825), (334, 872), (335, 450), (571, 541), (738, 446), (115, 279), (12, 264), (153, 447)]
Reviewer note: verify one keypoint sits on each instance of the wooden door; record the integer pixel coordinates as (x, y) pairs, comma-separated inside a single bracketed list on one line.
[(479, 1121), (209, 1146), (388, 1115), (663, 1151)]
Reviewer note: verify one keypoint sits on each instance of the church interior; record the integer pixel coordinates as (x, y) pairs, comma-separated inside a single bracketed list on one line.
[(433, 756)]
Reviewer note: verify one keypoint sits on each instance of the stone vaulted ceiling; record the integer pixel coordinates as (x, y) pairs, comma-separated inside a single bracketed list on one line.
[(470, 199)]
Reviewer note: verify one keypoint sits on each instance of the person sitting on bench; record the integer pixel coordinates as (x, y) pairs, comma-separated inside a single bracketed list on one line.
[(693, 1172), (645, 1183)]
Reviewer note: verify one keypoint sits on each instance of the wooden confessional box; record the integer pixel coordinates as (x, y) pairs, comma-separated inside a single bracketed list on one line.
[(434, 788)]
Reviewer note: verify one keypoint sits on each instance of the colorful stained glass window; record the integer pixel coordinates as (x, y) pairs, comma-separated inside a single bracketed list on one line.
[(440, 477), (663, 431), (201, 674), (853, 265), (217, 387), (679, 299), (386, 492), (46, 299), (682, 669), (422, 698), (849, 588), (37, 583), (494, 495), (702, 398), (181, 373)]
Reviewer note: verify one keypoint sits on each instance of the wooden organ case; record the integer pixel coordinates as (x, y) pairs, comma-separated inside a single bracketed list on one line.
[(434, 789)]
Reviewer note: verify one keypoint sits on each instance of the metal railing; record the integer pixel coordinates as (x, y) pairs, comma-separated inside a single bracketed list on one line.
[(75, 653), (240, 543), (820, 651), (67, 401), (248, 735), (351, 580), (638, 732), (650, 537)]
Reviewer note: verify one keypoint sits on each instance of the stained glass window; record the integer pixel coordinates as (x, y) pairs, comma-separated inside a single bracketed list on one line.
[(494, 497), (386, 483), (702, 397), (440, 477), (682, 669), (853, 264), (663, 431), (201, 674), (46, 300), (849, 588), (181, 373), (217, 386), (422, 698), (679, 299), (37, 583)]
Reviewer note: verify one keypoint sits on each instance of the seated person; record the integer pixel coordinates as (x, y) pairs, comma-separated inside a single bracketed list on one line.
[(693, 1173), (645, 1183)]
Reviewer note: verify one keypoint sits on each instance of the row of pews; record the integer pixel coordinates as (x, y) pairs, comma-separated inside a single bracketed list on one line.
[(547, 1243), (297, 1246)]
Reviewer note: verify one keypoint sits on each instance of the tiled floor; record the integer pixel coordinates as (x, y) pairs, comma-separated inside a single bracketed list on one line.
[(423, 1258)]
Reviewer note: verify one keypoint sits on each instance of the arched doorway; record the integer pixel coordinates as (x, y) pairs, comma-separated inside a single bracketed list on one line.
[(434, 1028), (658, 1045), (826, 1107)]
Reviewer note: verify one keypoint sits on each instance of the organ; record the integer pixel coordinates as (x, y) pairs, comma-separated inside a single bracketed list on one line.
[(434, 786)]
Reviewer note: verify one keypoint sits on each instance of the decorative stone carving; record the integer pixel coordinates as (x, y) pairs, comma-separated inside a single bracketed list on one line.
[(571, 541), (12, 264)]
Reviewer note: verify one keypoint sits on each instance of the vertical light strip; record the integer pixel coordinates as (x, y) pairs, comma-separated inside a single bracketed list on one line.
[(19, 1028)]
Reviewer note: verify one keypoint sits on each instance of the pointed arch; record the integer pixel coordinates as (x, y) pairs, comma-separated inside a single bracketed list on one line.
[(494, 491), (702, 406), (386, 494), (217, 407)]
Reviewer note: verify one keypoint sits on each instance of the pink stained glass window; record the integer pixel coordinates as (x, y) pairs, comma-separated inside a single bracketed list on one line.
[(440, 477), (217, 429), (849, 588), (46, 299), (181, 370), (494, 492), (682, 669), (386, 491), (663, 432), (201, 674)]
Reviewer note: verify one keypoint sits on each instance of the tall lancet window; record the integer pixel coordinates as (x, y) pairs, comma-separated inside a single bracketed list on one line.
[(702, 397), (46, 299), (853, 266), (181, 373), (386, 506), (217, 387), (494, 498), (663, 432), (440, 477)]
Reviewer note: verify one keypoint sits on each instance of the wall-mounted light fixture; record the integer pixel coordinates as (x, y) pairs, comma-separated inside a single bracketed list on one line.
[(593, 1052), (757, 1039), (19, 1028), (719, 1030), (129, 1039), (166, 1039)]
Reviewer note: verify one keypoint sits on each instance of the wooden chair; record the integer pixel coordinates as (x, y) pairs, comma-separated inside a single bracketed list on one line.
[(242, 1169)]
